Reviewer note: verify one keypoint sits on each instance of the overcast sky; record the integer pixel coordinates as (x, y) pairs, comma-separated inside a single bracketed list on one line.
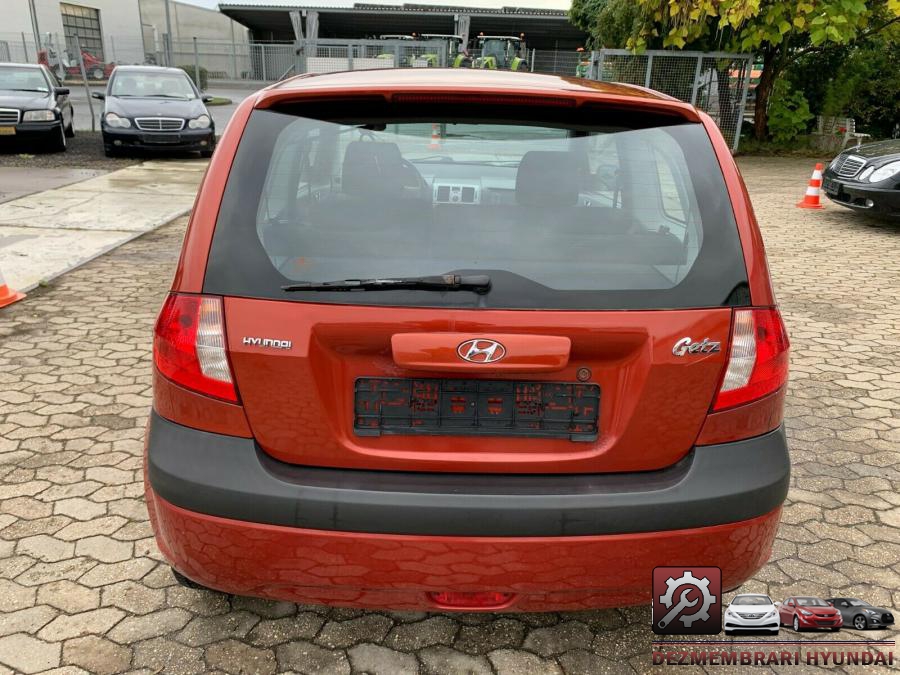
[(544, 4)]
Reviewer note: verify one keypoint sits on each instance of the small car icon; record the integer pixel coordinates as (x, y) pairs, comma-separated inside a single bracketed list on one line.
[(861, 615), (751, 611), (804, 612)]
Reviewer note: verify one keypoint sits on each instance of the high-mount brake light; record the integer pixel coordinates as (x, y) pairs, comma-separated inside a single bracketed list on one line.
[(485, 99), (189, 345), (757, 359)]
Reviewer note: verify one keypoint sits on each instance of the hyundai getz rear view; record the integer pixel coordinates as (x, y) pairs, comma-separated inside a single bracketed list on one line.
[(467, 340)]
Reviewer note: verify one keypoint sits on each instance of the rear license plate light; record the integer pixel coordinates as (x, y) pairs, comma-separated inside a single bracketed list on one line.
[(476, 408)]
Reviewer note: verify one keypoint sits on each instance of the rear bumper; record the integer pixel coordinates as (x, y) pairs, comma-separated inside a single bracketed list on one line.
[(233, 478), (230, 517)]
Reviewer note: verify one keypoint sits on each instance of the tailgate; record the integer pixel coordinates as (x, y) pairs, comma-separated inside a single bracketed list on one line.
[(391, 387)]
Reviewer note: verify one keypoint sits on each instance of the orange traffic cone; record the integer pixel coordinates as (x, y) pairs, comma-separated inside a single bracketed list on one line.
[(435, 137), (811, 198), (7, 295)]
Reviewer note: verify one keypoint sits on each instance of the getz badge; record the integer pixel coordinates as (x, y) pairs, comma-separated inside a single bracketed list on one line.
[(686, 345)]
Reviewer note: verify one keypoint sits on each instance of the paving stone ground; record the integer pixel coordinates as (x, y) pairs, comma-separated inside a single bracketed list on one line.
[(83, 589)]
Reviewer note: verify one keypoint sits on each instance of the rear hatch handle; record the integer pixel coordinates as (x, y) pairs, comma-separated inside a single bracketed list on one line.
[(481, 353)]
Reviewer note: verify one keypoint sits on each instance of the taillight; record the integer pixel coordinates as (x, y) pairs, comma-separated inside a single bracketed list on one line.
[(189, 345), (757, 358)]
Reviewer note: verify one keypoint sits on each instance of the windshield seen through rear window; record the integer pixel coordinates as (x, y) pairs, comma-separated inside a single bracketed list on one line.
[(558, 213)]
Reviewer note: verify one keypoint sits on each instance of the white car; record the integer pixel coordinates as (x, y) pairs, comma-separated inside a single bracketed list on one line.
[(753, 612)]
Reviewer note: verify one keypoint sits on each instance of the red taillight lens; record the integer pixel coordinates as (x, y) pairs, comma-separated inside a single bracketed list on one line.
[(189, 345), (471, 600), (757, 358)]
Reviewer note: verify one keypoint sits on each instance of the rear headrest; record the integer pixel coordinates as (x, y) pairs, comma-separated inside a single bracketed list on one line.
[(548, 178), (371, 167)]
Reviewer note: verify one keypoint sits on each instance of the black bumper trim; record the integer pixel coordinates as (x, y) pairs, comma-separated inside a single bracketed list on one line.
[(233, 478)]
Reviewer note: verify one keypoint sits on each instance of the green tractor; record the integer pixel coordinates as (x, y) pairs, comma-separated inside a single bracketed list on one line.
[(502, 52), (454, 52), (389, 56)]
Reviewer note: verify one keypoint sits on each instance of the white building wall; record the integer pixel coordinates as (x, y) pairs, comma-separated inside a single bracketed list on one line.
[(120, 23), (189, 21)]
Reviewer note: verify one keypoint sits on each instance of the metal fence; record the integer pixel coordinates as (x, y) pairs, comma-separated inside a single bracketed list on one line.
[(716, 82)]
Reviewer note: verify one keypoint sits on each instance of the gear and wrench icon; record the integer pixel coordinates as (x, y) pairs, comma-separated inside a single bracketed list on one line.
[(701, 584)]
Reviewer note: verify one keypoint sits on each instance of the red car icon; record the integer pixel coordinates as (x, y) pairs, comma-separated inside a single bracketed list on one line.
[(805, 613)]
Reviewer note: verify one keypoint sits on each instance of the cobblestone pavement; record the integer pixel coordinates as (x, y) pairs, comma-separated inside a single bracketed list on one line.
[(82, 585)]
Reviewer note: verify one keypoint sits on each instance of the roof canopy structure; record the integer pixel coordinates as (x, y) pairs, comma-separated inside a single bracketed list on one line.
[(543, 28)]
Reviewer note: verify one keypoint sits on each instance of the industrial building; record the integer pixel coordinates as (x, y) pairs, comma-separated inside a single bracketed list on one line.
[(271, 20)]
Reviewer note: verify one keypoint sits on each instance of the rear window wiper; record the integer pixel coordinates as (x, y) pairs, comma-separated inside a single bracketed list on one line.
[(479, 283)]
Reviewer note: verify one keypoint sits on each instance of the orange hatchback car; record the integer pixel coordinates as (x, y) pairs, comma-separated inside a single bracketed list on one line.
[(467, 340)]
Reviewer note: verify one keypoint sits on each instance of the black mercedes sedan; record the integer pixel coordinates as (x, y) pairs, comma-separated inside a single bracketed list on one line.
[(34, 107), (156, 109), (861, 615), (866, 178)]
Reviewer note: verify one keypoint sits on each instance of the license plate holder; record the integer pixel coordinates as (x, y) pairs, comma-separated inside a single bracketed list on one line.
[(7, 131), (161, 139), (831, 186), (431, 406)]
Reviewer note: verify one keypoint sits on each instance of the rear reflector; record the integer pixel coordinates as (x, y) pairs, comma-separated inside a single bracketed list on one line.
[(757, 360), (189, 345), (473, 600)]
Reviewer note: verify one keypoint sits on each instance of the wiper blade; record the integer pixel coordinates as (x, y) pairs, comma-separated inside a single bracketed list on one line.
[(479, 283)]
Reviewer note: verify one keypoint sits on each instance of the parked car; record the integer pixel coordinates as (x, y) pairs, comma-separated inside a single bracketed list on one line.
[(866, 178), (751, 611), (861, 614), (150, 107), (34, 107), (500, 374), (802, 613)]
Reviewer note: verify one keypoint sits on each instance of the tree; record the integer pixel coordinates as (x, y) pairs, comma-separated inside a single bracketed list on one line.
[(776, 30)]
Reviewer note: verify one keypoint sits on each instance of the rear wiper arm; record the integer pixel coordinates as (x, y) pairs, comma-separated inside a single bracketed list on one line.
[(479, 283)]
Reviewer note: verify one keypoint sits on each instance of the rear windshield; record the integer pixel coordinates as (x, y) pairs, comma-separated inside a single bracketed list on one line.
[(562, 209)]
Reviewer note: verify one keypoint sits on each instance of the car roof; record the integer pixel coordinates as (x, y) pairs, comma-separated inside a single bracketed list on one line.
[(461, 81), (148, 69)]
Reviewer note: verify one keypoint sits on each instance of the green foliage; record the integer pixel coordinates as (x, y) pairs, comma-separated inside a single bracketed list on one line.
[(203, 76), (788, 112), (861, 81), (610, 22), (753, 24)]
